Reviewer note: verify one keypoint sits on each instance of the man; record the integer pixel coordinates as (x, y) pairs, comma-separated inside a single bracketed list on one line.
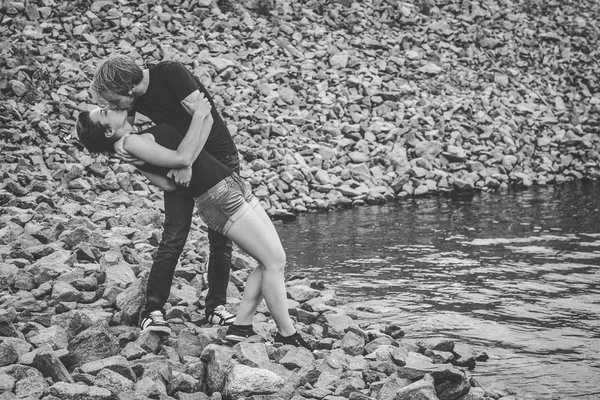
[(159, 93)]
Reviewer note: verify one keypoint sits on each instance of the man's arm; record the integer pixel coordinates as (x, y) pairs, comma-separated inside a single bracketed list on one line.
[(197, 134), (199, 130), (161, 181), (198, 125)]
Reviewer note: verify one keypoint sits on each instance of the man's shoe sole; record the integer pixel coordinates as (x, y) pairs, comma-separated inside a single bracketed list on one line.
[(220, 323)]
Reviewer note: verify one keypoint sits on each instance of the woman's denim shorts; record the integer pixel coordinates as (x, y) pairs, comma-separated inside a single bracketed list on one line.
[(225, 203)]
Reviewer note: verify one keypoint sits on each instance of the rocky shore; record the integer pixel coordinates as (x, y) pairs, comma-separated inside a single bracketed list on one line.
[(332, 104), (66, 333)]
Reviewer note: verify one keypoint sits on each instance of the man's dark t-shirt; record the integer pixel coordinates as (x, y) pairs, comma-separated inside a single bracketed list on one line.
[(170, 83), (207, 171)]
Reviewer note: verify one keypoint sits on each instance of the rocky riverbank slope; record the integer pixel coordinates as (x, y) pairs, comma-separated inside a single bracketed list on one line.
[(333, 103)]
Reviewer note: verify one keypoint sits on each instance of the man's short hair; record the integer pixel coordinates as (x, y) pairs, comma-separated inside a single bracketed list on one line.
[(92, 134), (117, 75)]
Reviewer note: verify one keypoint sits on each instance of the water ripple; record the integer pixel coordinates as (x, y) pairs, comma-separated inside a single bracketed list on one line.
[(517, 276)]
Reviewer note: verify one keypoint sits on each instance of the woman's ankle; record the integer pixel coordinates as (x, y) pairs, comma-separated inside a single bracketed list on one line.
[(283, 334)]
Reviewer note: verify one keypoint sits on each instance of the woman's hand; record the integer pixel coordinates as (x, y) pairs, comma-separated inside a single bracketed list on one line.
[(197, 103), (181, 176)]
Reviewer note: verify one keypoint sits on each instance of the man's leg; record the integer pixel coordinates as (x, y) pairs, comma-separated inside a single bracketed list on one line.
[(219, 266), (178, 219)]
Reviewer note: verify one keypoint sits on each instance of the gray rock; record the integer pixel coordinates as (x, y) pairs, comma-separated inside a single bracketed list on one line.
[(117, 270), (183, 383), (7, 383), (24, 281), (421, 389), (131, 395), (133, 351), (21, 346), (7, 329), (437, 344), (327, 380), (150, 388), (149, 341), (48, 363), (55, 263), (94, 343), (452, 390), (156, 368), (117, 364), (191, 343), (62, 291), (302, 293), (379, 342), (218, 363), (475, 393), (333, 364), (113, 381), (297, 357), (30, 383), (243, 381), (417, 366), (317, 393), (197, 369), (251, 354), (76, 391), (347, 386), (440, 357), (54, 336), (395, 354), (182, 293), (353, 344), (306, 317), (73, 322), (335, 324), (8, 354), (131, 300)]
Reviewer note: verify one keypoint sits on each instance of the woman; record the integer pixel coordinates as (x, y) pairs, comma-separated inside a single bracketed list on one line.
[(224, 203)]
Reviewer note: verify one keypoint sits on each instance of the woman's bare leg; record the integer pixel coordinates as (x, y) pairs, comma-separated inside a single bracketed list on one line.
[(251, 298), (255, 234)]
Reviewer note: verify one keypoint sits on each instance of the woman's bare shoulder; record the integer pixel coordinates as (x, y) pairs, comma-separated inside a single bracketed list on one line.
[(139, 137)]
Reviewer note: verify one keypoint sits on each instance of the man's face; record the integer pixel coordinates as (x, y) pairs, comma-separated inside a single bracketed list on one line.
[(119, 102)]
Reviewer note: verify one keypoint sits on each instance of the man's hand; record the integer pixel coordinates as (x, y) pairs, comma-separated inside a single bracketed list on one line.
[(181, 176), (197, 104), (123, 154)]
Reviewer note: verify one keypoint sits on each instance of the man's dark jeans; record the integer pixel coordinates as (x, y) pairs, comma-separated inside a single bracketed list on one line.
[(178, 220)]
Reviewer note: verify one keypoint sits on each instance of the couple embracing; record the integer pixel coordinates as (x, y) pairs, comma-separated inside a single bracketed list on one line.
[(190, 154)]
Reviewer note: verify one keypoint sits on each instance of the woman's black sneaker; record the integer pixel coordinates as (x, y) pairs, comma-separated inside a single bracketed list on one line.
[(236, 333), (294, 340)]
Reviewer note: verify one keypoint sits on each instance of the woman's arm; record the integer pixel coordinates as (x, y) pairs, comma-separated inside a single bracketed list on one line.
[(161, 181), (148, 150)]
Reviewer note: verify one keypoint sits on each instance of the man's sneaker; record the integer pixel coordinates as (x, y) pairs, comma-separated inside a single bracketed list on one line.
[(220, 316), (155, 322), (294, 340), (236, 333)]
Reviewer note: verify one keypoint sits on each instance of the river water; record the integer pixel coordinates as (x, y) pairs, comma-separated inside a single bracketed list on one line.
[(516, 275)]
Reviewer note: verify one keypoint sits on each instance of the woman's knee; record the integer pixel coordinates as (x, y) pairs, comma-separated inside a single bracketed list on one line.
[(276, 262)]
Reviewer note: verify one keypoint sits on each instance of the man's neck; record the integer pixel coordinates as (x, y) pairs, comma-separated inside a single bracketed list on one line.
[(142, 87)]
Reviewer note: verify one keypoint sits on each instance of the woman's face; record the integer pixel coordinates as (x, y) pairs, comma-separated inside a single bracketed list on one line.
[(114, 120)]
